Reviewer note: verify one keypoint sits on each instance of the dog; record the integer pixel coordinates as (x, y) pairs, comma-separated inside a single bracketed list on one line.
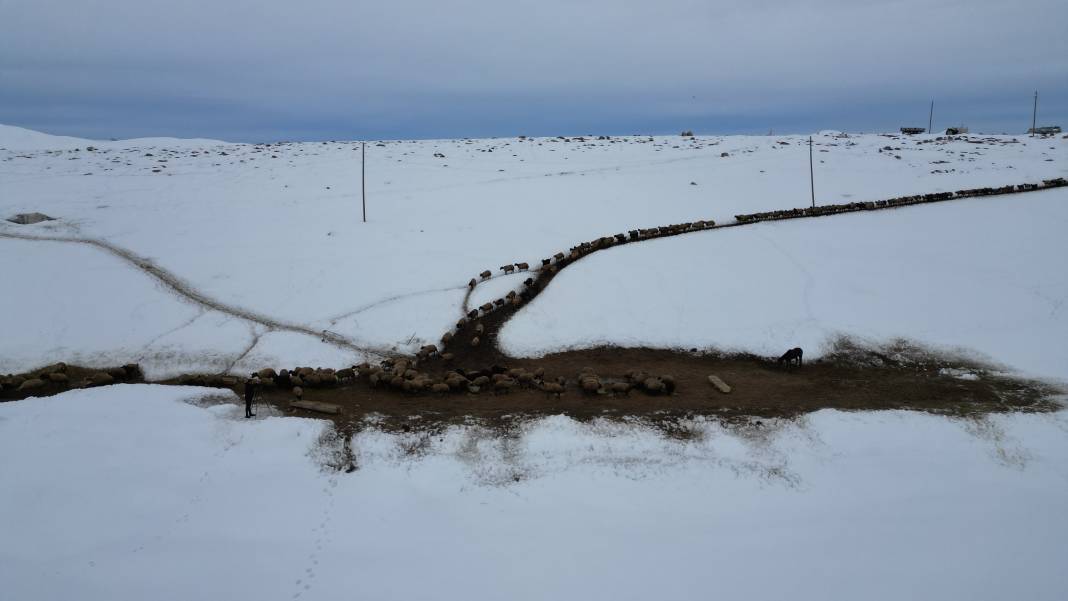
[(791, 355)]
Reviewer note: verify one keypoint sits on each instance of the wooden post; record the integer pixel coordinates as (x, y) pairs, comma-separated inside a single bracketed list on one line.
[(811, 180), (1034, 115), (930, 118), (363, 178)]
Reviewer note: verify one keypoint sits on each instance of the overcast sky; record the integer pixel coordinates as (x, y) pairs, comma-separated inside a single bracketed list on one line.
[(261, 70)]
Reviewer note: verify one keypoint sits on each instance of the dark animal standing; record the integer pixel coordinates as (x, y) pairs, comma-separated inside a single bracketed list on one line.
[(792, 355)]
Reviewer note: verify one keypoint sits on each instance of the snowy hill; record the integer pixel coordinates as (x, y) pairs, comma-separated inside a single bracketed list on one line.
[(21, 139)]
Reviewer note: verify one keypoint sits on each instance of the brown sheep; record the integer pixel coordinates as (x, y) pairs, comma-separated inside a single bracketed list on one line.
[(446, 338), (522, 266), (528, 282), (472, 283), (486, 274), (475, 341), (473, 313), (499, 302), (507, 269), (479, 328), (559, 257), (486, 308)]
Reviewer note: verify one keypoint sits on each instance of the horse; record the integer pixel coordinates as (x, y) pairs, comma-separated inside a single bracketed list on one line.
[(789, 356)]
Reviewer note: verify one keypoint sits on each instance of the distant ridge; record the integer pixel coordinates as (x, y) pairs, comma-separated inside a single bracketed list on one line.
[(20, 138)]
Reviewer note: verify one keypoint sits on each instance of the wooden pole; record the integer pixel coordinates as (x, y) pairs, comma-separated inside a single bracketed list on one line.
[(1034, 115), (363, 178), (930, 118), (811, 179)]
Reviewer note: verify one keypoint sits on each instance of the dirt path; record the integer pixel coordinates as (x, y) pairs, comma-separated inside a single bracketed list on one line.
[(848, 380), (191, 294)]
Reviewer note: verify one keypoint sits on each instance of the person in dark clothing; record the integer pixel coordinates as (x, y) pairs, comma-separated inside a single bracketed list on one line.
[(250, 394)]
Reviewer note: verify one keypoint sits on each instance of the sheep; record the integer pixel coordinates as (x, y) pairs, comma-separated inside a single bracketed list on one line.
[(522, 266), (472, 314), (486, 274), (460, 324), (507, 269), (486, 308), (499, 302), (446, 338), (472, 283), (475, 341), (559, 257), (553, 388), (510, 295), (545, 262), (479, 328), (528, 282)]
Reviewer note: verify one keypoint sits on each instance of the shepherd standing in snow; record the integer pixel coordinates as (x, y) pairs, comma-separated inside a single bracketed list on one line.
[(250, 393)]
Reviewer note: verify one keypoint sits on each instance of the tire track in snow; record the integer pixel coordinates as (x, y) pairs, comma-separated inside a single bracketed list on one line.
[(187, 291)]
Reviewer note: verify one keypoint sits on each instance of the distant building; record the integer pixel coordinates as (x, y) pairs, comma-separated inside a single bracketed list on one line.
[(1045, 131), (908, 131), (956, 131)]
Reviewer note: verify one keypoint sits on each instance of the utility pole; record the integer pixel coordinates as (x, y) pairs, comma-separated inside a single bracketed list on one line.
[(930, 117), (1034, 115), (363, 177), (811, 181)]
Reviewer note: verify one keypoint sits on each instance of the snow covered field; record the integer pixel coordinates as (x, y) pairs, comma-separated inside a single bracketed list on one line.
[(130, 492), (275, 230), (982, 278)]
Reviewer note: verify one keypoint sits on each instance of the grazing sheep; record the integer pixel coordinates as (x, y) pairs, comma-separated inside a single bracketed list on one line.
[(653, 385), (499, 302), (475, 341), (522, 266), (472, 283), (528, 282), (553, 388), (545, 262), (460, 324), (507, 269), (669, 383), (472, 314), (510, 295), (792, 355), (559, 257), (445, 338), (486, 274), (486, 308)]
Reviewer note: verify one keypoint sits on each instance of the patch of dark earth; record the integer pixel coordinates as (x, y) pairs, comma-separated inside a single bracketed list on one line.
[(850, 378)]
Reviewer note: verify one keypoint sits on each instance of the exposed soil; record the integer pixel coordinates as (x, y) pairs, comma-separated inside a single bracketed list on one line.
[(850, 380)]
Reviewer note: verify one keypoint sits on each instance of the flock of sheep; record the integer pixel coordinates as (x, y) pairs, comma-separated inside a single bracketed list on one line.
[(895, 202)]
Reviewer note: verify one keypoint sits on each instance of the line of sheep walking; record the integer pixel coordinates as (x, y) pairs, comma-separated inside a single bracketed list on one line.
[(895, 202), (551, 265)]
